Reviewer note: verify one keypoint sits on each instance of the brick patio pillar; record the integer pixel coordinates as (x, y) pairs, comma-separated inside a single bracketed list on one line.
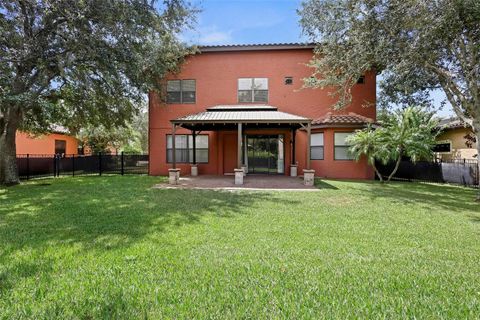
[(308, 177), (194, 170), (245, 169), (293, 170), (173, 176), (238, 176)]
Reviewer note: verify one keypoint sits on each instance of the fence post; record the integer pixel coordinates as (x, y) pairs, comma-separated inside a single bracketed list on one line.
[(100, 163), (123, 168), (28, 166), (477, 168), (58, 165), (73, 165), (54, 165)]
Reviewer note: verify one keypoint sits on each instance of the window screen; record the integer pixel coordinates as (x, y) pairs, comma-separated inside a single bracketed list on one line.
[(253, 90), (181, 91), (184, 148), (316, 146), (188, 91), (341, 147)]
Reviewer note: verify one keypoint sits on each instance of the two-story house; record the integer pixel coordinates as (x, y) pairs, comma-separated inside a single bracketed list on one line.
[(244, 106)]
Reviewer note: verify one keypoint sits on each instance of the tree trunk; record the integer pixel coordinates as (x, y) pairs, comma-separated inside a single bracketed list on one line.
[(396, 168), (377, 172), (8, 155), (477, 135)]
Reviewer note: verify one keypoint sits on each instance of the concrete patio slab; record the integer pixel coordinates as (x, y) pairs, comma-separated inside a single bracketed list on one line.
[(251, 183)]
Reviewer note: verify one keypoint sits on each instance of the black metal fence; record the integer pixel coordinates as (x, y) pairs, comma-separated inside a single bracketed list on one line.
[(464, 172), (37, 165)]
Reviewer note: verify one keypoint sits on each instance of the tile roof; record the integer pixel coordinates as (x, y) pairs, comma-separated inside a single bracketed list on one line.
[(451, 123), (256, 46), (333, 119), (239, 113)]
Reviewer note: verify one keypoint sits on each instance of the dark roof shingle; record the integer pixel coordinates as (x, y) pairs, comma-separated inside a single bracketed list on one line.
[(341, 119), (451, 123)]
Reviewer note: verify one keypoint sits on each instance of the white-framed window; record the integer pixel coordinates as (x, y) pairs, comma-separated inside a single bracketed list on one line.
[(444, 146), (341, 147), (181, 91), (316, 146), (253, 90), (184, 148)]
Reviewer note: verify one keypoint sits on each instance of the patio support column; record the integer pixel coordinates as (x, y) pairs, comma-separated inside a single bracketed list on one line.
[(194, 135), (174, 173), (293, 165), (308, 173), (309, 132), (294, 131), (239, 171), (239, 147), (174, 158), (194, 168)]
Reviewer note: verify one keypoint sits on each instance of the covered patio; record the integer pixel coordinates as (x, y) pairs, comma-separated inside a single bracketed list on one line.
[(241, 118), (250, 182)]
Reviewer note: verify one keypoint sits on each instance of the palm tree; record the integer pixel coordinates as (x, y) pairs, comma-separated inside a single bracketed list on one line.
[(368, 142), (409, 132)]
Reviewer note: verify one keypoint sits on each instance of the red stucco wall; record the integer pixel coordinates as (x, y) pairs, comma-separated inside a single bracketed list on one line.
[(44, 144), (216, 75)]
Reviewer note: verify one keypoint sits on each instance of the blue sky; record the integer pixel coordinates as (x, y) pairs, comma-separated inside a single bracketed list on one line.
[(254, 21), (246, 22)]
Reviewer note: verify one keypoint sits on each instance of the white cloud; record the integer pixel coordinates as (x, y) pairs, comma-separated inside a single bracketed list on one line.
[(208, 35), (216, 37)]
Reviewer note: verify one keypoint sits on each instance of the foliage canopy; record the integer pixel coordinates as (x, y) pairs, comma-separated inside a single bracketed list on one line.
[(408, 133), (78, 63)]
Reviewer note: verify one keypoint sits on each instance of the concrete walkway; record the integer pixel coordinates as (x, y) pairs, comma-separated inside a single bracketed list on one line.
[(250, 182)]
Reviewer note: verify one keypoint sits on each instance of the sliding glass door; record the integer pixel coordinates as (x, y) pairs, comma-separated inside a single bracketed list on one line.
[(265, 154)]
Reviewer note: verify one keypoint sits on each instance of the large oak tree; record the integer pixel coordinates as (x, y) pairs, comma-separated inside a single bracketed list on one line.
[(415, 45), (73, 63)]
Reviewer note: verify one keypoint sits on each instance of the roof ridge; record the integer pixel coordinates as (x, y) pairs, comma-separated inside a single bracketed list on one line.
[(256, 46)]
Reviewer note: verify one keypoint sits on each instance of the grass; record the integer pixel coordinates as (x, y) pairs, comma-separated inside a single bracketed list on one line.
[(113, 247)]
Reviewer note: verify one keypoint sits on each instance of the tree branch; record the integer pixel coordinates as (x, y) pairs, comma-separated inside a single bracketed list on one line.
[(454, 94)]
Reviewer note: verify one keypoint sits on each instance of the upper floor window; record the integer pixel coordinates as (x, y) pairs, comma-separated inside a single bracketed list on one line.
[(316, 146), (341, 146), (253, 90), (181, 91)]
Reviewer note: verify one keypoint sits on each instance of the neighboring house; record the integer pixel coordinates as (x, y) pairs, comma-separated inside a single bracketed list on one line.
[(57, 142), (455, 141), (246, 107)]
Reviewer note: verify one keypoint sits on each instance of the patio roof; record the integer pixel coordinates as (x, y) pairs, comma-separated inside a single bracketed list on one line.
[(234, 114), (240, 117)]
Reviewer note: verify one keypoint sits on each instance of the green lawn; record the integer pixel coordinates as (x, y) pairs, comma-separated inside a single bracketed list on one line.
[(113, 247)]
